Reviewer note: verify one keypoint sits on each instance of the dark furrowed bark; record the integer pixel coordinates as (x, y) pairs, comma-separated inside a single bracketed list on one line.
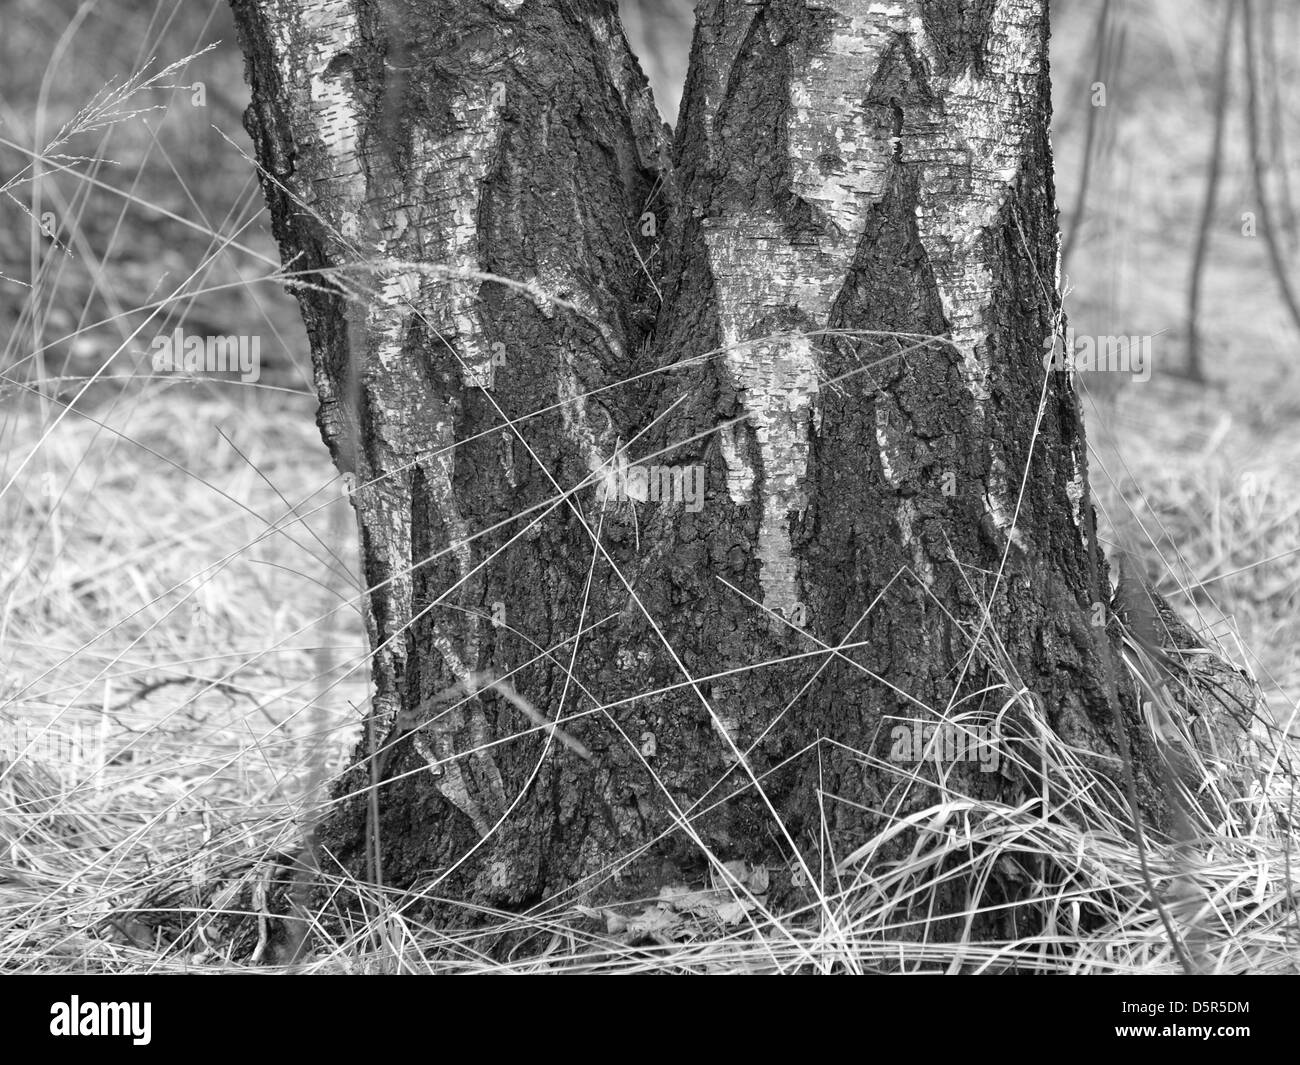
[(867, 210), (881, 172)]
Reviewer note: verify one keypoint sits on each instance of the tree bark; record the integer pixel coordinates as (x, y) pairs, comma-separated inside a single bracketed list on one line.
[(894, 527)]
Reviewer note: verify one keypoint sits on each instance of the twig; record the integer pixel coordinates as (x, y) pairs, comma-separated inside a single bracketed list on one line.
[(1194, 369), (1081, 196), (1257, 167)]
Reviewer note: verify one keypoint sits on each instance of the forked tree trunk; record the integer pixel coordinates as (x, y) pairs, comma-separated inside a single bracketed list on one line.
[(848, 178)]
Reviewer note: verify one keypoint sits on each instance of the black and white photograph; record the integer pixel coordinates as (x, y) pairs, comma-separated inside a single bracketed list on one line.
[(648, 487)]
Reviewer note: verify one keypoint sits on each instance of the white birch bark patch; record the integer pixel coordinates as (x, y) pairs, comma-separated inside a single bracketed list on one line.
[(963, 131)]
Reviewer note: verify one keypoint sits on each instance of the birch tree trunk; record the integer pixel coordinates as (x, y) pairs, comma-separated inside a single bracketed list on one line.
[(892, 528)]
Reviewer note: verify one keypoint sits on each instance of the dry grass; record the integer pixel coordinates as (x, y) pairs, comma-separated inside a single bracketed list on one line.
[(165, 624)]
